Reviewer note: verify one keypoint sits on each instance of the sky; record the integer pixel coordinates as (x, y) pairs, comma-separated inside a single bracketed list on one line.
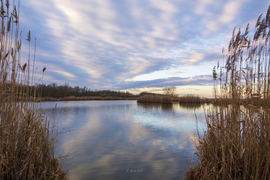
[(133, 45)]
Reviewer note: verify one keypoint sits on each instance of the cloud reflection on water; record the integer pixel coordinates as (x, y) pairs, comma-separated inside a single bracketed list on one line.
[(118, 136)]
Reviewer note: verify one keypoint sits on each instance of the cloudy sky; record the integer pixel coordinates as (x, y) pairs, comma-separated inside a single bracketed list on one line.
[(134, 45)]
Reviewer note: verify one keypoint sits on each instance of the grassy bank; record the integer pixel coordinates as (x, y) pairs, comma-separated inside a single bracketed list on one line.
[(236, 144), (28, 140), (155, 99)]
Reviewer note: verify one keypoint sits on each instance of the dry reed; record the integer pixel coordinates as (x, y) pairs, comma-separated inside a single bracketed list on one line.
[(166, 99), (190, 99), (150, 99), (236, 144), (155, 99), (27, 142)]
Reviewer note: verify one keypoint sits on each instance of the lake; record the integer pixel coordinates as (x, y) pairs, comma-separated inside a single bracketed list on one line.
[(124, 139)]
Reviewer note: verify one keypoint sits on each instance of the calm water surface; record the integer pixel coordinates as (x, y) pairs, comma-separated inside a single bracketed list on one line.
[(125, 140)]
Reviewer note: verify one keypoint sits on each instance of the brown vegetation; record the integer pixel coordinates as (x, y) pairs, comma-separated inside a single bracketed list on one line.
[(166, 100), (27, 138), (191, 99), (236, 143), (170, 91), (155, 99)]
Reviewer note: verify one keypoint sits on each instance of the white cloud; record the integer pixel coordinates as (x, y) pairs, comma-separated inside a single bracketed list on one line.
[(64, 73), (201, 6), (230, 11), (110, 41)]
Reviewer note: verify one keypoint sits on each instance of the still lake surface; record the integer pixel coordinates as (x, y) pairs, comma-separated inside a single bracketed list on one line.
[(124, 139)]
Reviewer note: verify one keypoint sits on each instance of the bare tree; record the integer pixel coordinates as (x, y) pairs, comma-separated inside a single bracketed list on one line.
[(170, 91)]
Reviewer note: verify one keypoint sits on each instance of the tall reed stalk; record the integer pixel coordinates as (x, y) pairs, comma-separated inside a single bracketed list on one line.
[(236, 143), (27, 140)]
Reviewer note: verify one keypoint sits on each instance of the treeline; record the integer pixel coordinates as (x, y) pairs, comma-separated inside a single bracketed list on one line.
[(55, 91)]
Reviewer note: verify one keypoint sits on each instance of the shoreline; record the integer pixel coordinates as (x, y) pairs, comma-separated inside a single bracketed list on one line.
[(90, 98)]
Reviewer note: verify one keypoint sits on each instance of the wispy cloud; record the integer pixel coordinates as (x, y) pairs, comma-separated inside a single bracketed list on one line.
[(102, 44), (203, 80)]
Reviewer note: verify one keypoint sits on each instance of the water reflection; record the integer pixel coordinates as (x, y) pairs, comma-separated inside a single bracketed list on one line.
[(124, 140), (190, 106), (167, 107), (158, 106)]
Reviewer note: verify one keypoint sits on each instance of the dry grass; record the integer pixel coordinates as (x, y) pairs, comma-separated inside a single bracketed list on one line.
[(150, 99), (191, 99), (27, 138), (166, 100), (236, 144), (155, 99), (175, 99)]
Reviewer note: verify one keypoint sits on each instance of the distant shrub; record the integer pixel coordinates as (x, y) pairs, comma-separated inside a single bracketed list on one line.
[(150, 99), (166, 100), (190, 99), (155, 99)]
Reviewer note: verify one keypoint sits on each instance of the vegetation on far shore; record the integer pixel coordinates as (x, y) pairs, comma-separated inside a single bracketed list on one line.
[(54, 91), (28, 138), (236, 144), (169, 96), (191, 99), (155, 99), (87, 98)]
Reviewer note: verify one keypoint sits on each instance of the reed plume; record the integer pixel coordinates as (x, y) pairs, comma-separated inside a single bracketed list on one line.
[(27, 137), (236, 144)]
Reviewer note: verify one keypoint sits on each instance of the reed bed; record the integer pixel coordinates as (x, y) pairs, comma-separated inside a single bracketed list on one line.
[(191, 99), (155, 99), (236, 143), (175, 98), (149, 99), (28, 138), (166, 100)]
